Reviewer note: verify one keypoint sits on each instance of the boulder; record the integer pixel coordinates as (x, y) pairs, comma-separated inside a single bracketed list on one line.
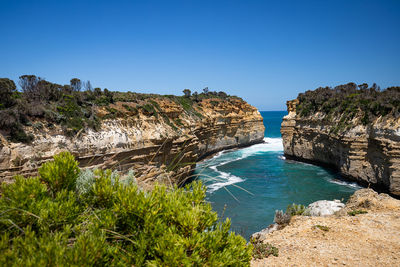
[(325, 207)]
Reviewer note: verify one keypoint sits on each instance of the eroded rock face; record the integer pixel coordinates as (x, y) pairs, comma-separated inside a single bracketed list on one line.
[(367, 154), (162, 148)]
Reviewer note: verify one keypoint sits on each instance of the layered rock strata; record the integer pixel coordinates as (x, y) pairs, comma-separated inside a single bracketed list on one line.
[(368, 154), (163, 146)]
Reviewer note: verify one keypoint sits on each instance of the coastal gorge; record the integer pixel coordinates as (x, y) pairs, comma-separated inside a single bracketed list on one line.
[(352, 128), (159, 137)]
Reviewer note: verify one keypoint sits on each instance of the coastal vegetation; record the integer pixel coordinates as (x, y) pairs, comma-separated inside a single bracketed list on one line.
[(321, 227), (75, 106), (263, 250), (66, 216), (356, 212), (347, 102)]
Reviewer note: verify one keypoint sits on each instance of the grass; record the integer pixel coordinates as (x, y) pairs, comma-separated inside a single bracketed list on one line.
[(356, 212), (321, 227)]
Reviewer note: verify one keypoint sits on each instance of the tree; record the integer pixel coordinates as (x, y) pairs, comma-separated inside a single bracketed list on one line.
[(195, 97), (187, 92), (205, 90), (29, 85), (363, 86), (109, 95), (88, 86), (97, 91), (222, 94), (76, 84), (48, 91), (7, 89)]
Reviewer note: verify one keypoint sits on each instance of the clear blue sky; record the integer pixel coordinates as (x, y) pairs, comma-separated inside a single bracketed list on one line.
[(264, 51)]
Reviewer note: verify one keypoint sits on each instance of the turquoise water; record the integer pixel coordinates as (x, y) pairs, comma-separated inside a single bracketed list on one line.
[(249, 184)]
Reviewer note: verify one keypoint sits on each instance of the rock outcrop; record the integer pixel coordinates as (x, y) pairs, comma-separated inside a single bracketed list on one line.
[(368, 154), (369, 238), (161, 146), (324, 207)]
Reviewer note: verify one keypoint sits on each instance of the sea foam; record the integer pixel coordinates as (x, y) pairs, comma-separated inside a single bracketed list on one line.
[(222, 158)]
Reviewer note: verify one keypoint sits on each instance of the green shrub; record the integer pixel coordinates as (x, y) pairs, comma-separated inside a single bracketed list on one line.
[(356, 212), (349, 102), (131, 109), (60, 173), (263, 250), (295, 209), (321, 227), (149, 110), (90, 218), (18, 134)]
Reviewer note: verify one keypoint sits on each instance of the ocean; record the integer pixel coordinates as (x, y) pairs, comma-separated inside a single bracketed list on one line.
[(249, 184)]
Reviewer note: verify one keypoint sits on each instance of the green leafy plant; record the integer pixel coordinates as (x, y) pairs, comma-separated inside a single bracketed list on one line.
[(356, 212), (95, 218), (295, 209), (321, 227), (60, 173), (263, 250), (350, 103)]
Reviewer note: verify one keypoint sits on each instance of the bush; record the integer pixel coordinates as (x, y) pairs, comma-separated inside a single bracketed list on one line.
[(263, 250), (321, 227), (282, 218), (7, 89), (60, 173), (356, 212), (65, 218), (295, 209), (348, 102)]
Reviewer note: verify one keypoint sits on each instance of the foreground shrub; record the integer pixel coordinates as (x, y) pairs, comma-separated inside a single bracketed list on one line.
[(63, 218), (60, 173)]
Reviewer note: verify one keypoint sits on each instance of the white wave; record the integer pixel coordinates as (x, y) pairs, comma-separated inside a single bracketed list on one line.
[(281, 157), (223, 180), (270, 144), (223, 158), (348, 184)]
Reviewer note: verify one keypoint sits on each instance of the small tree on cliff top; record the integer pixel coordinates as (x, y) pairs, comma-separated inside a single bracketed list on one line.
[(187, 92)]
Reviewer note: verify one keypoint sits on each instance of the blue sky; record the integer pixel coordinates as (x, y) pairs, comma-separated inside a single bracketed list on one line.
[(264, 51)]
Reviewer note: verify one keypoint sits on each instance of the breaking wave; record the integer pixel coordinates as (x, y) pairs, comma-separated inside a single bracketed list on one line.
[(222, 178)]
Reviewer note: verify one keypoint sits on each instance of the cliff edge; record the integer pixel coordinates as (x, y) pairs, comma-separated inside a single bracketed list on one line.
[(354, 129), (159, 137), (364, 233)]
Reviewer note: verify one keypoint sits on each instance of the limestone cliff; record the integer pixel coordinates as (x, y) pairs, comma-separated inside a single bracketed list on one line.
[(366, 152), (161, 141)]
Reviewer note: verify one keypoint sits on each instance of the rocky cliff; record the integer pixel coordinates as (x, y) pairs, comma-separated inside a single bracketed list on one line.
[(159, 137), (342, 132)]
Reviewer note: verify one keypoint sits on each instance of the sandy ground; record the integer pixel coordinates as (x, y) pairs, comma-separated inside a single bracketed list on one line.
[(371, 239)]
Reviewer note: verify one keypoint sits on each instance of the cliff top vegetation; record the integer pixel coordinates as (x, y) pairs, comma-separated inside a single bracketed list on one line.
[(74, 106), (349, 101)]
